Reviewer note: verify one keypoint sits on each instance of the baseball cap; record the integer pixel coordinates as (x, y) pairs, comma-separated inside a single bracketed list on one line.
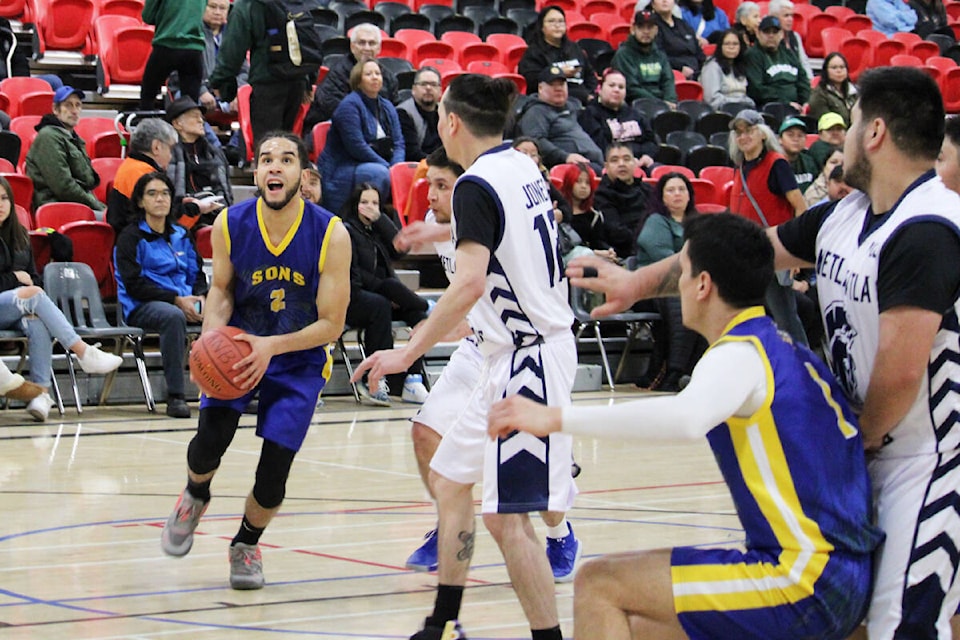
[(749, 116), (180, 106), (829, 121), (312, 168), (551, 74), (791, 122), (769, 22), (643, 17), (65, 92)]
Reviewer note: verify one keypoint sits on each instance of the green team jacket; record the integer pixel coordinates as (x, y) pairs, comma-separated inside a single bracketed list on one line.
[(648, 73)]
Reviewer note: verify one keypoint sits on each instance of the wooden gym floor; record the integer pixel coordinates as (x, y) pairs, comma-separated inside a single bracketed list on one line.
[(83, 500)]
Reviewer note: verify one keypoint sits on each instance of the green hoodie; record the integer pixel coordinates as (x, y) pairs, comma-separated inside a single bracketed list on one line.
[(647, 72), (178, 23), (59, 166)]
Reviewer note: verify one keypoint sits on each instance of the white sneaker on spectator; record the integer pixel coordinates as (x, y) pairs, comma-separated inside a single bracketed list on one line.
[(414, 390), (96, 361), (378, 398), (40, 407)]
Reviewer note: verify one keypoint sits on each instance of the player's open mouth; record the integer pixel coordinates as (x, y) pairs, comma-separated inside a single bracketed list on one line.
[(274, 186)]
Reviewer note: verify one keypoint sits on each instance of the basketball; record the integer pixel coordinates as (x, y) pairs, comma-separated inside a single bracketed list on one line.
[(211, 362)]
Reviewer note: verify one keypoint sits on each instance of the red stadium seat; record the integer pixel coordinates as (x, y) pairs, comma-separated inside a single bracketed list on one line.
[(432, 50), (906, 60), (413, 38), (319, 135), (22, 189), (478, 51), (833, 39), (883, 52), (906, 37), (950, 83), (580, 30), (459, 39), (204, 244), (93, 245), (801, 17), (401, 179), (13, 9), (25, 127), (859, 55), (130, 8), (872, 36), (591, 7), (37, 103), (392, 48), (101, 137), (856, 23), (487, 67), (663, 169), (56, 214), (123, 55), (17, 87), (705, 191), (26, 220), (607, 21), (689, 90), (106, 168), (924, 49), (63, 25), (517, 79), (840, 11), (814, 40), (420, 204), (511, 56), (718, 175)]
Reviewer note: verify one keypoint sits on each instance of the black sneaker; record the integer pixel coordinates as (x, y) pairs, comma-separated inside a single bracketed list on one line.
[(178, 408), (449, 631)]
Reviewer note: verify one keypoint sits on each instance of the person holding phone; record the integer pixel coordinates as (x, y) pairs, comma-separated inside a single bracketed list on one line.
[(160, 280)]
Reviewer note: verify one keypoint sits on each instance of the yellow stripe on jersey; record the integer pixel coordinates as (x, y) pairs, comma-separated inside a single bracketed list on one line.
[(287, 239), (326, 242), (226, 229), (764, 468), (847, 429), (328, 365)]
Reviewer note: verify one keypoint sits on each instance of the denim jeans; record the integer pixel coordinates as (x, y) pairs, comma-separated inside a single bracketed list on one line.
[(167, 320), (47, 322)]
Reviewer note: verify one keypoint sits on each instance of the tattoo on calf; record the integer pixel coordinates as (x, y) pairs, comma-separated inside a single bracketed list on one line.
[(466, 553)]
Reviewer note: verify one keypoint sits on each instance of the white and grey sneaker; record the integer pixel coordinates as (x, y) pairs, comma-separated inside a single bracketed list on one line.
[(40, 407), (96, 361), (378, 398), (414, 391), (246, 566)]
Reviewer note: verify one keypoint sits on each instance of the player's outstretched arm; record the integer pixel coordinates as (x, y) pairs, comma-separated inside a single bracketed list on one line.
[(621, 287), (419, 232), (517, 413)]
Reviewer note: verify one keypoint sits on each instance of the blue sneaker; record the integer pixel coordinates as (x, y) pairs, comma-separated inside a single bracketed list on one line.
[(564, 553), (425, 558)]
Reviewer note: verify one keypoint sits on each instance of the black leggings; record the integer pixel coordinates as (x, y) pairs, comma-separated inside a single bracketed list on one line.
[(188, 63)]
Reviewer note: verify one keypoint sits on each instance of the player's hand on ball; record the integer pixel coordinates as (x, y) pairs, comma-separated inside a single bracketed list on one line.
[(517, 413), (251, 369)]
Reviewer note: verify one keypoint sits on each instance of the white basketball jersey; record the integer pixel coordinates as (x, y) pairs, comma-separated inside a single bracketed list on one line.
[(847, 270), (525, 300)]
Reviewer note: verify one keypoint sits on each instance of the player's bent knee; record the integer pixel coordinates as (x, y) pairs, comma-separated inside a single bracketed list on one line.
[(215, 430), (425, 440)]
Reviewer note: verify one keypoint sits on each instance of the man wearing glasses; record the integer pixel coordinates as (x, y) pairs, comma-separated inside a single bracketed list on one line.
[(419, 115)]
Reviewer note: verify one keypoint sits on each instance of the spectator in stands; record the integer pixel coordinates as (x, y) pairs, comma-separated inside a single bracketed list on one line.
[(214, 26), (723, 76), (676, 348), (765, 191), (548, 46), (197, 169), (364, 139), (643, 64), (310, 185), (793, 139), (705, 18), (784, 10), (274, 101), (552, 120), (833, 131), (622, 198), (160, 280), (528, 146), (746, 21), (610, 119), (377, 296), (178, 45), (931, 18), (677, 40), (774, 74), (365, 43), (948, 162), (820, 188), (57, 161), (577, 186), (419, 115), (24, 305), (835, 93), (891, 16), (151, 149)]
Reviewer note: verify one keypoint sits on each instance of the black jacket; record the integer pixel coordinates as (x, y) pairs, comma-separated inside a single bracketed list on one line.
[(373, 252), (540, 55), (622, 206), (11, 261), (680, 44), (627, 125)]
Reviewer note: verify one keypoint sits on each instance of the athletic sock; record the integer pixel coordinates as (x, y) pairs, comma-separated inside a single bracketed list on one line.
[(559, 531), (547, 634), (199, 490), (447, 606), (248, 534)]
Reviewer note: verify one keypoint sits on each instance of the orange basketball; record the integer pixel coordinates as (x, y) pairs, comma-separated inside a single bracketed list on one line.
[(211, 362)]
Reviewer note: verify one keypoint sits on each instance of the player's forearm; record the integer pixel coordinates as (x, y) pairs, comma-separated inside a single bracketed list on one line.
[(217, 309), (658, 280), (451, 309), (323, 331)]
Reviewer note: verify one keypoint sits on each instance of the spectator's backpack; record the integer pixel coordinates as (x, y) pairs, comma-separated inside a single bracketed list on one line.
[(294, 44)]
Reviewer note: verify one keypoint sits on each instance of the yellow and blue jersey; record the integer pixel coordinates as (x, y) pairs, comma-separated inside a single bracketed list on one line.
[(275, 290), (797, 474)]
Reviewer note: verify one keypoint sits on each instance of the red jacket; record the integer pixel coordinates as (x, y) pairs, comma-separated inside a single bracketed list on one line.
[(776, 208)]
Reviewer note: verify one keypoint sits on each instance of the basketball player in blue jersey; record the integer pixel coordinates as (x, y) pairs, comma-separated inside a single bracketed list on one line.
[(509, 278), (889, 289), (281, 272), (460, 377), (785, 441)]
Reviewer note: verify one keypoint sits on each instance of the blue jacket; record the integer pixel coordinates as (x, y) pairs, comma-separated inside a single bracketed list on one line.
[(352, 131), (156, 266), (891, 16), (720, 21)]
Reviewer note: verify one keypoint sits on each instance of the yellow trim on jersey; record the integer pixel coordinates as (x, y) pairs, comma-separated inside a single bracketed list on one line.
[(326, 243), (287, 239), (763, 465), (226, 229), (328, 365), (847, 429)]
